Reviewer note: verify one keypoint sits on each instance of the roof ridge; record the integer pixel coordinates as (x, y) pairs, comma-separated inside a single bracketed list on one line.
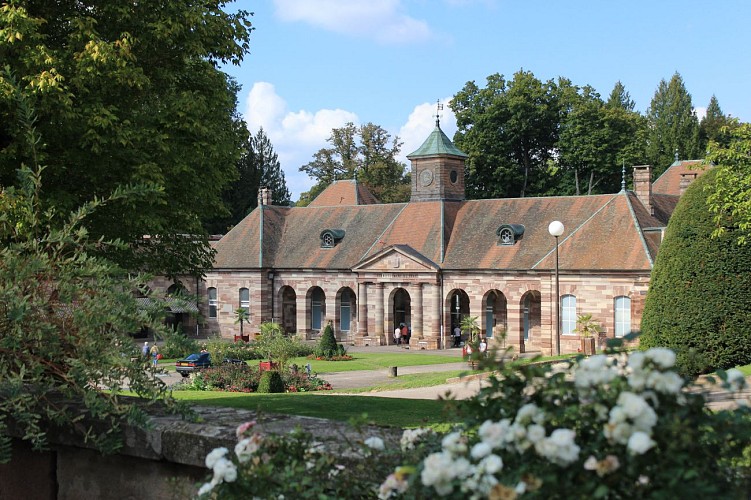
[(576, 229), (639, 229)]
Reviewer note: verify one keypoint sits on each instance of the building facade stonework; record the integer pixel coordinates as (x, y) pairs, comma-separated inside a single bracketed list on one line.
[(367, 267)]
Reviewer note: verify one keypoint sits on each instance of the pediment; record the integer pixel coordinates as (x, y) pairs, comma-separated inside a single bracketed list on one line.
[(397, 258)]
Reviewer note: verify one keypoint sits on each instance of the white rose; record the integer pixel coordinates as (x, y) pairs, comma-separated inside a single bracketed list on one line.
[(215, 455), (639, 443), (535, 432), (661, 356), (481, 449), (454, 443), (375, 443), (491, 464)]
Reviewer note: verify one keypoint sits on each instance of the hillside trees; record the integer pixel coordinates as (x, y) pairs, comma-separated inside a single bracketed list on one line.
[(715, 126), (673, 128), (257, 167), (697, 302), (123, 94), (367, 153)]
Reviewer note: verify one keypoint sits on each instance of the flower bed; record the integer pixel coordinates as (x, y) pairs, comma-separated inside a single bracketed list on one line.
[(608, 426), (244, 378)]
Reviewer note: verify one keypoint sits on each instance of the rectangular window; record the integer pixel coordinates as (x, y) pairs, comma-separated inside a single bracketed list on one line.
[(568, 314), (212, 302), (245, 299), (316, 315), (622, 316)]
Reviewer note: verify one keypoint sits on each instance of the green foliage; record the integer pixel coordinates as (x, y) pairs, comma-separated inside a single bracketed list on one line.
[(242, 316), (271, 382), (257, 167), (126, 96), (729, 198), (601, 427), (327, 346), (697, 302), (175, 344), (65, 318), (586, 326), (672, 126), (366, 153), (245, 378), (275, 345)]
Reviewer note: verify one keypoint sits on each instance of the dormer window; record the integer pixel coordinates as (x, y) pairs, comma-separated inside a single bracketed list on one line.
[(330, 237), (509, 234)]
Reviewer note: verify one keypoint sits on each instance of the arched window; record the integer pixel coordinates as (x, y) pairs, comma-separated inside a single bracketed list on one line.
[(345, 311), (212, 302), (490, 315), (245, 299), (568, 314), (622, 316), (316, 308)]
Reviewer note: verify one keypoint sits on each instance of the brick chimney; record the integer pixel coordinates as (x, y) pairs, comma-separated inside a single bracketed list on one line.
[(643, 186), (686, 180), (264, 196)]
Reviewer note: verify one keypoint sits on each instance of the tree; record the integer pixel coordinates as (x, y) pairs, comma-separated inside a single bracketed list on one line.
[(509, 130), (620, 98), (127, 95), (65, 314), (714, 126), (730, 196), (257, 167), (366, 153), (697, 302), (673, 126), (242, 316)]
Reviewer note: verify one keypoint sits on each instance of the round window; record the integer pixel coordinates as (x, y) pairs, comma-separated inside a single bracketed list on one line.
[(453, 176)]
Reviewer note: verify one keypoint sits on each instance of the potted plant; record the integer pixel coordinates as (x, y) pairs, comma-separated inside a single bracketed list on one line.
[(242, 316), (588, 329), (471, 348)]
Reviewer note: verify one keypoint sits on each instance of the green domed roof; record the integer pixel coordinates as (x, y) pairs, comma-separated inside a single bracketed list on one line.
[(437, 143)]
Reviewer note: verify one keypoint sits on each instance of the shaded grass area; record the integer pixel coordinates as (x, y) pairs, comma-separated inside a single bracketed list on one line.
[(379, 411)]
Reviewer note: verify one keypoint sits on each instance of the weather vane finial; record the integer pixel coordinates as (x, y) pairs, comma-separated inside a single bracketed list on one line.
[(623, 177), (439, 108)]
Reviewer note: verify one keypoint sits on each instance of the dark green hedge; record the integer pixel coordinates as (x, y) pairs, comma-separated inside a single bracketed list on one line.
[(699, 299)]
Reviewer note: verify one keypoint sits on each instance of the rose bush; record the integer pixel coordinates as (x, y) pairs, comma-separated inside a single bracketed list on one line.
[(609, 426)]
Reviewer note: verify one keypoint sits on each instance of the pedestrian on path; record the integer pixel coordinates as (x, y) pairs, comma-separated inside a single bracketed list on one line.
[(154, 351), (145, 350), (398, 335)]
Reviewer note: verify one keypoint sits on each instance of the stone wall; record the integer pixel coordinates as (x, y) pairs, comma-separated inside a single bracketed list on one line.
[(164, 461)]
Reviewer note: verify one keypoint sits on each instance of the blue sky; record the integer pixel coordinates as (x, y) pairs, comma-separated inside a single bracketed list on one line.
[(317, 64)]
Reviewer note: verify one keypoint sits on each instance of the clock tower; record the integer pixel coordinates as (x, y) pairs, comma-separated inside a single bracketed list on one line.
[(437, 169)]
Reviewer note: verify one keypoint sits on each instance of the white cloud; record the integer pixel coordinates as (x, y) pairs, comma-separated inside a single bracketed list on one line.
[(384, 20), (296, 136), (421, 123)]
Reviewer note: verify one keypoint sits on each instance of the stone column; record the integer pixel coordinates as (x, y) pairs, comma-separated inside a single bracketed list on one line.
[(303, 326), (435, 323), (417, 312), (362, 310), (379, 312)]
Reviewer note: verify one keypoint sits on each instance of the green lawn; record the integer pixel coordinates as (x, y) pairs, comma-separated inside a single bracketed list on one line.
[(380, 411), (375, 361), (411, 381)]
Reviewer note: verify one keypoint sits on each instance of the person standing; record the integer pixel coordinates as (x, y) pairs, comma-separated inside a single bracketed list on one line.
[(154, 351), (457, 335), (483, 347), (397, 335), (145, 350), (405, 334)]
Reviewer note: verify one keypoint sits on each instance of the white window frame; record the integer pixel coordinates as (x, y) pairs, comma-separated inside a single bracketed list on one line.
[(622, 315), (568, 314), (213, 303), (244, 304)]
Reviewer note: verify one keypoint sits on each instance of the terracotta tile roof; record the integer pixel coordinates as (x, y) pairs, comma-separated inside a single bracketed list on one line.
[(670, 181), (292, 235), (346, 192)]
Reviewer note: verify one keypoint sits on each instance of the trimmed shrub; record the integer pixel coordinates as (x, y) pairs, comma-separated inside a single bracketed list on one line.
[(327, 346), (698, 300), (271, 382)]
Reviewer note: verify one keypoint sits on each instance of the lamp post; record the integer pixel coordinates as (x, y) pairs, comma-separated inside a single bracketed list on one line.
[(556, 229)]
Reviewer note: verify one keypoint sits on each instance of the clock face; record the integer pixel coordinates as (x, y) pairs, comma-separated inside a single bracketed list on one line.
[(426, 177)]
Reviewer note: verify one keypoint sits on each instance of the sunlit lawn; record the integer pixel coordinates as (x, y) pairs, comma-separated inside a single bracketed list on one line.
[(381, 411), (375, 361)]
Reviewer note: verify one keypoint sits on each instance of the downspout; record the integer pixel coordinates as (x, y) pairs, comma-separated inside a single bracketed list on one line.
[(440, 312), (443, 233), (198, 302)]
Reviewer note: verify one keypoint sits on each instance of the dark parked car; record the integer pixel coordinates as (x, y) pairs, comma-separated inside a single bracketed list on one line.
[(199, 361)]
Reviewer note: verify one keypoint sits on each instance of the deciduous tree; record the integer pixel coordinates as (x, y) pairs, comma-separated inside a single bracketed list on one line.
[(367, 153), (128, 93)]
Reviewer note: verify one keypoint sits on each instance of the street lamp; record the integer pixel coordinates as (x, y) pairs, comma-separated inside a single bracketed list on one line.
[(556, 229)]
